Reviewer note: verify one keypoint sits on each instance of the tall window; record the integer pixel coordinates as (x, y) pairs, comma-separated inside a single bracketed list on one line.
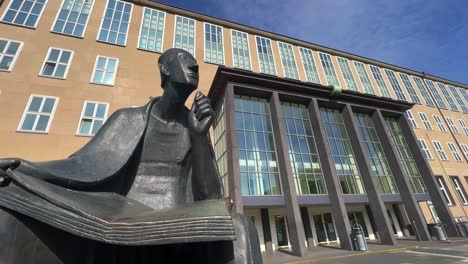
[(184, 37), (152, 30), (463, 125), (265, 55), (439, 123), (363, 77), (464, 148), (257, 156), (454, 151), (423, 91), (444, 190), (342, 152), (38, 114), (115, 23), (288, 61), (56, 63), (395, 85), (439, 101), (464, 93), (328, 68), (73, 17), (425, 149), (410, 117), (92, 118), (380, 81), (452, 125), (24, 12), (440, 150), (214, 49), (302, 150), (104, 70), (240, 50), (409, 88), (347, 74), (458, 98), (425, 121), (9, 52), (307, 58), (405, 156), (460, 191), (447, 96), (375, 155), (220, 149)]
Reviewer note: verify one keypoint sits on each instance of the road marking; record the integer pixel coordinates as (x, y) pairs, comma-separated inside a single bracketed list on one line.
[(438, 255), (353, 255)]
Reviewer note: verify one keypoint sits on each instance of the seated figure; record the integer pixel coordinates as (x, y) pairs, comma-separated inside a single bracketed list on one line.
[(144, 189)]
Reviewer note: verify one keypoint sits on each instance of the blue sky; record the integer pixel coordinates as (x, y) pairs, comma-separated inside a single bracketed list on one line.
[(422, 35)]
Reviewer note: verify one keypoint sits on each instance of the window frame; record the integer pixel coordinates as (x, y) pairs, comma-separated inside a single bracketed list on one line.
[(410, 90), (272, 52), (77, 133), (85, 25), (313, 61), (15, 58), (396, 86), (409, 115), (355, 63), (26, 110), (345, 60), (12, 23), (332, 65), (424, 91), (444, 189), (115, 70), (281, 60), (382, 81), (452, 125), (141, 28), (440, 150), (427, 124), (448, 98), (425, 149), (46, 60), (102, 23), (464, 149), (204, 42), (194, 34), (454, 151), (463, 126), (248, 49), (457, 185), (439, 123)]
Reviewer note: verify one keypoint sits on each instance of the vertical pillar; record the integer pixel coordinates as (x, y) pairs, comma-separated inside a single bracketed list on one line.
[(429, 180), (402, 181), (295, 226), (376, 203), (403, 219), (235, 187), (307, 229), (266, 229), (338, 207)]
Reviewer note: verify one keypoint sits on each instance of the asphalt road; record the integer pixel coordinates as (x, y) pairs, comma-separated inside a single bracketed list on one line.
[(440, 254)]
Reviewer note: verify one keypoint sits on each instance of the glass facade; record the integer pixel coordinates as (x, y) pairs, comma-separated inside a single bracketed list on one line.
[(184, 37), (395, 85), (303, 153), (447, 96), (257, 156), (375, 155), (214, 49), (439, 101), (24, 12), (380, 81), (265, 55), (73, 17), (404, 155), (240, 50), (115, 23), (327, 65), (409, 88), (220, 146), (347, 74), (152, 30), (308, 62), (364, 77), (288, 61), (342, 152)]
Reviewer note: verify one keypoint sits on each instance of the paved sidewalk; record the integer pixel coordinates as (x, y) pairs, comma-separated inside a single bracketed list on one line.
[(333, 252)]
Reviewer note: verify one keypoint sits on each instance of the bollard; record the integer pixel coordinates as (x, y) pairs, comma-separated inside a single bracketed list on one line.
[(359, 239), (465, 227), (439, 232)]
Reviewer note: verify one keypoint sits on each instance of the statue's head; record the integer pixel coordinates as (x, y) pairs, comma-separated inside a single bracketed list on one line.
[(179, 68)]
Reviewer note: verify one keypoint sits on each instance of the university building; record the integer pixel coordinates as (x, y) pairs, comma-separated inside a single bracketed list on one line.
[(310, 141)]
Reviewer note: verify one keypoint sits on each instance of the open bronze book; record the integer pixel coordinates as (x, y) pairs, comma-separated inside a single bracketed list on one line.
[(113, 218)]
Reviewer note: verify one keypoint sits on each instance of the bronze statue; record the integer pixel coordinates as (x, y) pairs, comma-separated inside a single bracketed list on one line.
[(144, 188)]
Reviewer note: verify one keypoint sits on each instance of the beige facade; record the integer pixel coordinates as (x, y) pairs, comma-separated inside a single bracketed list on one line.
[(137, 79)]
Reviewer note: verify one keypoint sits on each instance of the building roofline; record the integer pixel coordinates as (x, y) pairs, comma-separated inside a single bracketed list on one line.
[(291, 40)]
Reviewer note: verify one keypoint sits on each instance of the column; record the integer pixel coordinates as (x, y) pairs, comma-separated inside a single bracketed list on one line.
[(376, 203), (266, 229), (235, 191), (295, 226), (443, 211), (338, 207), (402, 181)]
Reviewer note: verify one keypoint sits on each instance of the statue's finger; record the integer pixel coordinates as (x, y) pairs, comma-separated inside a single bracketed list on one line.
[(201, 107), (206, 123), (205, 113), (198, 96), (203, 101)]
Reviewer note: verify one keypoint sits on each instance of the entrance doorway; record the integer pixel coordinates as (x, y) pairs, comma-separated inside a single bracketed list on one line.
[(281, 231), (324, 228)]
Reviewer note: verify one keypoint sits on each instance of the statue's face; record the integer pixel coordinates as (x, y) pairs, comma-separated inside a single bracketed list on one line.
[(184, 72)]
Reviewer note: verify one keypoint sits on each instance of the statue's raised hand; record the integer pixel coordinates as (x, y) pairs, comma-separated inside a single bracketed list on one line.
[(6, 164), (201, 115)]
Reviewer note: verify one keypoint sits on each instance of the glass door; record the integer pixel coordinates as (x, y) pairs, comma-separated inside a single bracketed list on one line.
[(324, 228), (320, 229), (329, 226), (281, 231)]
